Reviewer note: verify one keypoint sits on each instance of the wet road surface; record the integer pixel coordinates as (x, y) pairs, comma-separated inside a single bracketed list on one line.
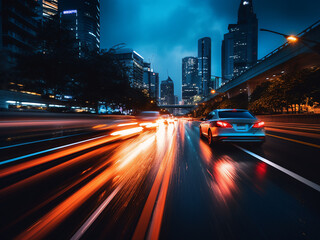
[(107, 181)]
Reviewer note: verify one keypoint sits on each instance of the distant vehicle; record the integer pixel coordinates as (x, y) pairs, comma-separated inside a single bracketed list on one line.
[(232, 125), (166, 118), (148, 119)]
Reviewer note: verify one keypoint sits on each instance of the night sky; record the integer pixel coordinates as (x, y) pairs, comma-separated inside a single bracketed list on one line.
[(165, 31)]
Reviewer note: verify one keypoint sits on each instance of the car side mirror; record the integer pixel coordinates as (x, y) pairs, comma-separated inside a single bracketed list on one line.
[(202, 119)]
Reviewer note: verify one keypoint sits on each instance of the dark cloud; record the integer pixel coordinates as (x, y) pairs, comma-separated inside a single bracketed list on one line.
[(165, 31)]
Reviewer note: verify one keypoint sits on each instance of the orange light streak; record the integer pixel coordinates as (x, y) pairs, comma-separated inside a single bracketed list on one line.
[(38, 161), (127, 124), (127, 132), (166, 165)]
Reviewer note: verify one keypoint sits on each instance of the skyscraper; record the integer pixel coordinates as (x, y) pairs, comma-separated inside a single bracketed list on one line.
[(240, 45), (134, 64), (167, 92), (204, 64), (83, 18), (190, 71), (18, 29), (190, 80), (151, 81)]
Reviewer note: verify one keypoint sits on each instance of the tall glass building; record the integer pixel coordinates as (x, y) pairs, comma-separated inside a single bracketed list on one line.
[(83, 18), (18, 29), (240, 44), (190, 80), (204, 64), (150, 81), (167, 92), (134, 65)]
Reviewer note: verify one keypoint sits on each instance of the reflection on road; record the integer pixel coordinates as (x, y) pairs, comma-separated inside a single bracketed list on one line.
[(133, 173)]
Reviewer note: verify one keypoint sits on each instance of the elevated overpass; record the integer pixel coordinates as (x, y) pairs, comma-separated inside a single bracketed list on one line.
[(176, 106), (286, 58)]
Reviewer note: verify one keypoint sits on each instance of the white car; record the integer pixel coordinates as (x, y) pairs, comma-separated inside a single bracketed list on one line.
[(232, 125)]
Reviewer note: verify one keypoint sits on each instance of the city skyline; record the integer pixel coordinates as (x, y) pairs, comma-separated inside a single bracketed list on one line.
[(165, 33)]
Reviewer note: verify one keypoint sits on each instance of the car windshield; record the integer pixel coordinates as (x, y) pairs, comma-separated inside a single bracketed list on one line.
[(235, 114)]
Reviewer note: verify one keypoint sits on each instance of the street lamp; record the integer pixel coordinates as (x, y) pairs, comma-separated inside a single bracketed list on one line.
[(290, 38), (213, 91), (294, 39)]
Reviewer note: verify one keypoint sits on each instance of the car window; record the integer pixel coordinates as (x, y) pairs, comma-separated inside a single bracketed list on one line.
[(149, 114), (211, 115), (235, 114)]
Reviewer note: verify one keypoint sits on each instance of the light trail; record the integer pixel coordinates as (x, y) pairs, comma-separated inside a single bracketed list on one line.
[(95, 215), (122, 170), (25, 165), (43, 140), (166, 164), (127, 132), (56, 169), (127, 124), (47, 150)]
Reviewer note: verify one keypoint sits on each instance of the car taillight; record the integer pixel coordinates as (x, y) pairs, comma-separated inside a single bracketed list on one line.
[(258, 125), (224, 124)]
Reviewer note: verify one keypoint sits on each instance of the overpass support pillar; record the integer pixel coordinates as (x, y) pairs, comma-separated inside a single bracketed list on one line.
[(251, 86)]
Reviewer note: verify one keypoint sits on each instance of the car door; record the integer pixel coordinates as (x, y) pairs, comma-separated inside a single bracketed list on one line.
[(206, 123)]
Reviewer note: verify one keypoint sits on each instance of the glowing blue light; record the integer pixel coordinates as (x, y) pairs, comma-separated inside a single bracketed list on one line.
[(69, 11)]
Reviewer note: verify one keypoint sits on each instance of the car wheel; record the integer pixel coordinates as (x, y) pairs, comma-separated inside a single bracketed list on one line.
[(210, 140)]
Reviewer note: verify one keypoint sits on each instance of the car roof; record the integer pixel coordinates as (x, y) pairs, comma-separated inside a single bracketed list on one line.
[(227, 110), (149, 112)]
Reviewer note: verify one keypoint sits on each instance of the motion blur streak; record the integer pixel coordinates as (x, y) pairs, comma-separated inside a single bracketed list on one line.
[(55, 169), (22, 166), (133, 153), (46, 151), (159, 209), (166, 165), (123, 167), (48, 222), (94, 215), (127, 124), (225, 174), (127, 132)]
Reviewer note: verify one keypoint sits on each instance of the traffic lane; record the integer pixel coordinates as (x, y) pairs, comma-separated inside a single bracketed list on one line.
[(313, 138), (119, 220), (224, 193), (295, 156), (29, 194), (55, 139), (133, 217), (64, 194), (17, 131), (298, 153)]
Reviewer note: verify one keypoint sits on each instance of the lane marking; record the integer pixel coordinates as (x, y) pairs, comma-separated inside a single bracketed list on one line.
[(293, 140), (284, 170), (43, 140), (45, 151), (95, 215)]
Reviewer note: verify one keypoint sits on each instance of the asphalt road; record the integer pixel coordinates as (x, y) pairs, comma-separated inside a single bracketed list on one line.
[(95, 182)]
